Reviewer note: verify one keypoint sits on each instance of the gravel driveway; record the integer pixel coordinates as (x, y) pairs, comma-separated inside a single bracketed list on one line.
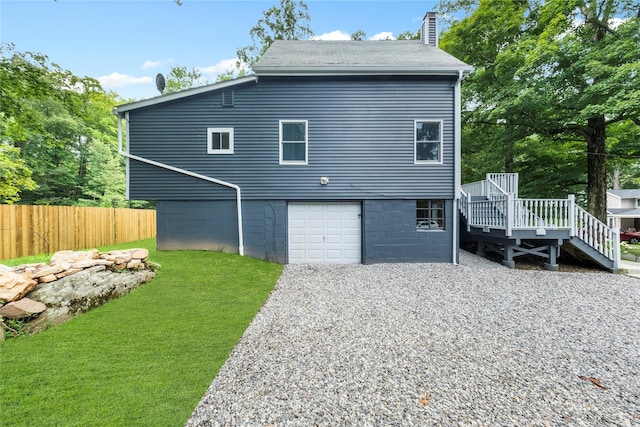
[(435, 344)]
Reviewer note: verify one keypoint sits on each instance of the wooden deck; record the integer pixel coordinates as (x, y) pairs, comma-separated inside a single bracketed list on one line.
[(498, 220)]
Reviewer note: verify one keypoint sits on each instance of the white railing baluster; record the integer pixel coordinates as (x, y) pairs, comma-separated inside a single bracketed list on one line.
[(504, 210)]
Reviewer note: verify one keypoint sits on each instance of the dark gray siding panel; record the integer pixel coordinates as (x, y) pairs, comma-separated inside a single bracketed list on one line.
[(390, 234), (388, 230), (148, 182), (197, 225), (213, 225), (360, 136), (265, 231)]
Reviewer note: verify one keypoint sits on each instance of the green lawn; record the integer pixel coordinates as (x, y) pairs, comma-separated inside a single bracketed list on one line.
[(630, 252), (145, 359)]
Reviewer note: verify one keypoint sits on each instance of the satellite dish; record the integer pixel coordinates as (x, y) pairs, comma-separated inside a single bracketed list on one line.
[(160, 83)]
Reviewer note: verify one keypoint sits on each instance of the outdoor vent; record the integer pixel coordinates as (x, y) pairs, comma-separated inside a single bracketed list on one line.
[(227, 98), (429, 30)]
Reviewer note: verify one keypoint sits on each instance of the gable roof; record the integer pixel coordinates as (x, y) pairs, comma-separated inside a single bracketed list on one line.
[(388, 57), (185, 93), (626, 194)]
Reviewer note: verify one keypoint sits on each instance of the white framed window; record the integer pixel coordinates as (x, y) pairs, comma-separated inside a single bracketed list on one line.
[(220, 140), (427, 141), (293, 142), (637, 203), (430, 215)]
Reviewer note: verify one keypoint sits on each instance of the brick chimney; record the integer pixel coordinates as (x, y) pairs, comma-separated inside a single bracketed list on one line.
[(429, 30)]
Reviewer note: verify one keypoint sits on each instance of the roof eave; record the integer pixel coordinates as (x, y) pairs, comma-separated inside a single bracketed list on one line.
[(183, 94), (361, 71)]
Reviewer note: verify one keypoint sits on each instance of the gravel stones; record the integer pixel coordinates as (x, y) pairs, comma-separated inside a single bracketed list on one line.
[(435, 344)]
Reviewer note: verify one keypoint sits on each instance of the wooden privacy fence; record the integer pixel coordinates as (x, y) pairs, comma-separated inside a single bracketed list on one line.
[(30, 230)]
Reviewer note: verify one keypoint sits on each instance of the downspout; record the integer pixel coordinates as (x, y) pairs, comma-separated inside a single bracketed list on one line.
[(126, 154), (457, 168)]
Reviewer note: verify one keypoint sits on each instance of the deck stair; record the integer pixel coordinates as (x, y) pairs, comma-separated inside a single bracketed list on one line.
[(498, 220)]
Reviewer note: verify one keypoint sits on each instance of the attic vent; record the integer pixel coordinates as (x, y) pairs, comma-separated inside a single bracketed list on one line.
[(429, 31), (227, 98)]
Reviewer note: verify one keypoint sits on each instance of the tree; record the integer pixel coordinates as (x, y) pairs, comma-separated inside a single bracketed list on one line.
[(359, 35), (15, 176), (408, 35), (231, 74), (290, 21), (58, 141), (179, 78), (558, 71)]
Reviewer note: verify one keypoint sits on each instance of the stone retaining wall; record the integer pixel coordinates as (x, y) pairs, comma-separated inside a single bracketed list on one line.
[(72, 282)]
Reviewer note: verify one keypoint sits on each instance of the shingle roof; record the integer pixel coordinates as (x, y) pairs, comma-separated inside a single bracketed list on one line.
[(320, 57), (626, 194), (624, 212)]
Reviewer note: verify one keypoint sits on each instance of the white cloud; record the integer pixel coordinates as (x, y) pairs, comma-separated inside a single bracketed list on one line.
[(120, 80), (220, 67), (333, 35), (150, 64), (385, 35)]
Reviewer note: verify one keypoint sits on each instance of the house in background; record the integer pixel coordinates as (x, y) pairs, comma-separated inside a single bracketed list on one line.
[(333, 152), (623, 209)]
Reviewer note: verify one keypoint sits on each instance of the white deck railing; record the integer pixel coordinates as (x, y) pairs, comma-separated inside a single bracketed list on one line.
[(596, 234), (508, 182), (475, 188), (504, 210), (502, 183)]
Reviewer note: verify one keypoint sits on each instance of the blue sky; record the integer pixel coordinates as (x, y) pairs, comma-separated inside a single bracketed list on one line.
[(124, 44)]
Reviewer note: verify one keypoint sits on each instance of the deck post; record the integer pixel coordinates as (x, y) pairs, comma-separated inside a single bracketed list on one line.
[(616, 249), (552, 264), (510, 215), (508, 256), (572, 215), (468, 213)]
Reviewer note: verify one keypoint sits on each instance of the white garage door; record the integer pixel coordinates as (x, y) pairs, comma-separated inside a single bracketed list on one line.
[(324, 233)]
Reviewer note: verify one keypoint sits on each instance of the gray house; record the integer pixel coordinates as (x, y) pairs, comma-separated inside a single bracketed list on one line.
[(333, 152), (623, 209)]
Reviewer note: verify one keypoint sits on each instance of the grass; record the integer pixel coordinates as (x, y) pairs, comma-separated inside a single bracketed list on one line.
[(145, 359), (628, 248)]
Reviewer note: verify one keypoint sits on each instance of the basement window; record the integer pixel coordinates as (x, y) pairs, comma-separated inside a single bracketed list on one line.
[(220, 140), (429, 215)]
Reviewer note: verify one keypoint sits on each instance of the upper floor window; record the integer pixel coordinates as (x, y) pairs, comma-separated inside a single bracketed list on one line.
[(220, 140), (293, 142), (428, 141)]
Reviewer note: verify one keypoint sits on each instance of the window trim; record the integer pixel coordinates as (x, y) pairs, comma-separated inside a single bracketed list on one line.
[(444, 215), (306, 142), (415, 142), (210, 132)]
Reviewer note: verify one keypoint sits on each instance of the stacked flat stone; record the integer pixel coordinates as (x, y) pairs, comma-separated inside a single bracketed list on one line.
[(17, 282)]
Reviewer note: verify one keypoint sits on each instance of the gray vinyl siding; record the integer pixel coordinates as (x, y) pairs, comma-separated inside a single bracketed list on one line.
[(388, 230), (213, 225), (361, 136), (196, 224), (390, 234)]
